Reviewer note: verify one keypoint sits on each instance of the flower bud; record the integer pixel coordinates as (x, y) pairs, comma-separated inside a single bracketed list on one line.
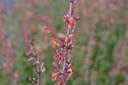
[(67, 40), (54, 64)]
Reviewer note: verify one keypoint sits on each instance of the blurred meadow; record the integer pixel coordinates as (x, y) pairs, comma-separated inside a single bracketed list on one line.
[(100, 56)]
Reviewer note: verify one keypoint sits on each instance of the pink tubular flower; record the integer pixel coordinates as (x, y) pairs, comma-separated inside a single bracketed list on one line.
[(55, 42), (72, 21), (46, 30)]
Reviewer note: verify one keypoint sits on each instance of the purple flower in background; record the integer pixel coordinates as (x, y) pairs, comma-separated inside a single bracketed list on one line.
[(9, 6), (32, 54)]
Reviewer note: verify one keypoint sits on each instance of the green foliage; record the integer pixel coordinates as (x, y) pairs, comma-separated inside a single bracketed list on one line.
[(120, 78), (25, 68)]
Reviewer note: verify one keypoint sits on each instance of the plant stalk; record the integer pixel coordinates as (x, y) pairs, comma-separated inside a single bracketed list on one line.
[(39, 75), (66, 50)]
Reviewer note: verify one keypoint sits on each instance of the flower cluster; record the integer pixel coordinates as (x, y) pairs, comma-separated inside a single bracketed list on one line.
[(63, 70), (32, 54), (62, 75)]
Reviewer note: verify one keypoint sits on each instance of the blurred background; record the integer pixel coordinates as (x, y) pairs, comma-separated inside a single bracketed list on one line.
[(100, 56)]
